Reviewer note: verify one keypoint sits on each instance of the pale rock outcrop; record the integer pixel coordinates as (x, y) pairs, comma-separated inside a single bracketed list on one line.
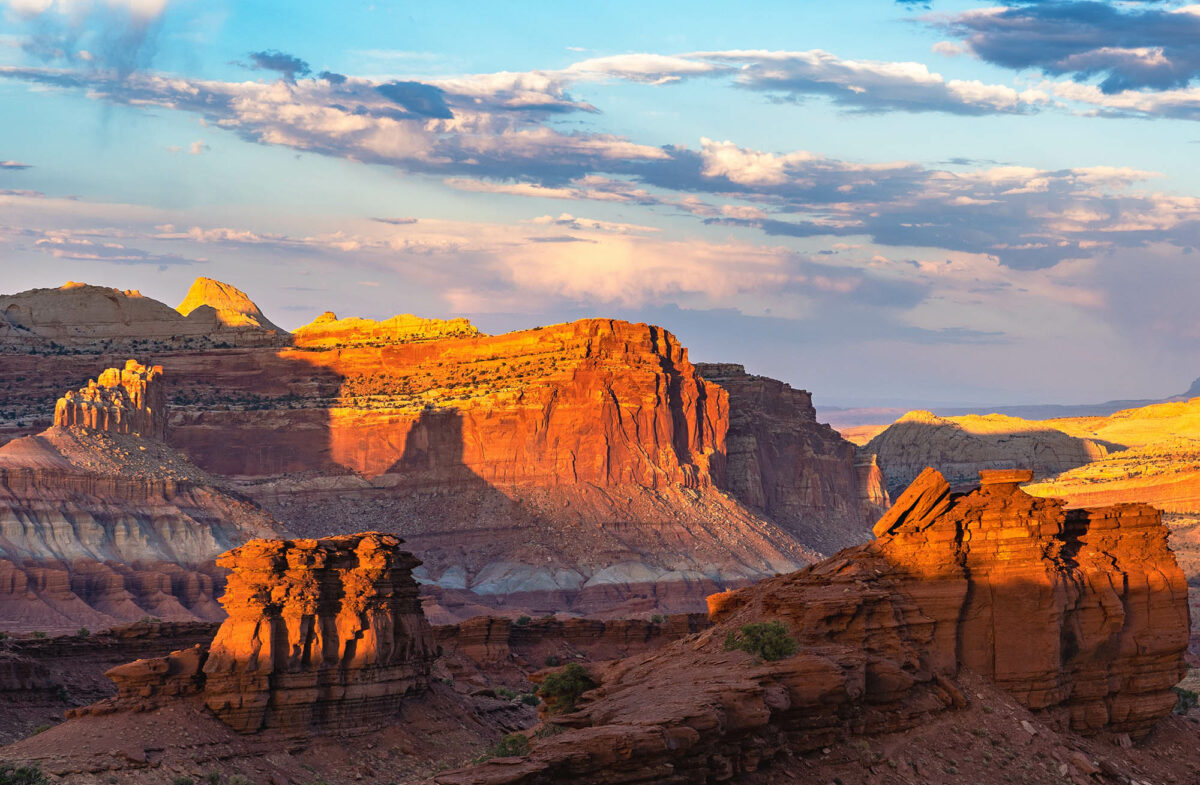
[(224, 306), (959, 447), (127, 400)]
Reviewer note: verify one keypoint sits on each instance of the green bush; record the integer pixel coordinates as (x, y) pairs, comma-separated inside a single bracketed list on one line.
[(506, 693), (523, 620), (658, 618), (83, 632), (183, 781), (513, 745), (552, 661), (766, 640), (38, 634), (24, 775), (530, 699), (1186, 700), (562, 689)]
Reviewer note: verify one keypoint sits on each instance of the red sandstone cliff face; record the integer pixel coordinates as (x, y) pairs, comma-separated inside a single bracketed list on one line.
[(574, 467), (1080, 614), (783, 463)]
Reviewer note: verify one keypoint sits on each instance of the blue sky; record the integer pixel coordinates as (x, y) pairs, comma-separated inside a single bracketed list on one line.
[(878, 201)]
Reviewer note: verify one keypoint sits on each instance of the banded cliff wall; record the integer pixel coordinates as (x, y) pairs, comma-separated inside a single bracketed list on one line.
[(580, 466), (102, 523)]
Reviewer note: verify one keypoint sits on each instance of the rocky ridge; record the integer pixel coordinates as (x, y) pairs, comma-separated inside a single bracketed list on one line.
[(960, 447), (327, 331), (78, 316), (1078, 615)]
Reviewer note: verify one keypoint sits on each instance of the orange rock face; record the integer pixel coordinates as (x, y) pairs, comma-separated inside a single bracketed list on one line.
[(322, 635), (1082, 615), (127, 400)]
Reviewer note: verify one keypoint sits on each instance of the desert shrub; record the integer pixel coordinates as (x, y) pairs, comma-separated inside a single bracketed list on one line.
[(83, 632), (213, 778), (183, 781), (529, 699), (38, 634), (658, 618), (22, 775), (511, 746), (562, 689), (766, 640), (552, 661), (523, 620), (1185, 700), (40, 729), (238, 779), (506, 693)]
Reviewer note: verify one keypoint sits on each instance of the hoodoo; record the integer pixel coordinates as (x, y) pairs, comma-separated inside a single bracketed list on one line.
[(322, 635), (127, 400)]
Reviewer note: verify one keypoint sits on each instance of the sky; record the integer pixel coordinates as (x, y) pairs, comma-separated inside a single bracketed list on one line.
[(887, 203)]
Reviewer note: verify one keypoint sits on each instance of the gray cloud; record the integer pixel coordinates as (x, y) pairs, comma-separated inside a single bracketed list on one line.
[(286, 65), (1130, 47)]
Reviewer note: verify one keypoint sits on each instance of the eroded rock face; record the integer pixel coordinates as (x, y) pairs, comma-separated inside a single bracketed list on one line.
[(800, 473), (322, 635), (1082, 614), (127, 400)]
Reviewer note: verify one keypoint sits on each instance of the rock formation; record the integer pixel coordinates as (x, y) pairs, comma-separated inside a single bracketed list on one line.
[(103, 523), (959, 447), (487, 449), (223, 305), (1081, 615), (97, 318), (128, 400), (327, 331), (322, 636), (781, 462)]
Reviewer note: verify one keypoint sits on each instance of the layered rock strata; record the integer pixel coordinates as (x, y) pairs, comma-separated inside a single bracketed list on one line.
[(102, 523), (1080, 614), (784, 464), (127, 400), (322, 636)]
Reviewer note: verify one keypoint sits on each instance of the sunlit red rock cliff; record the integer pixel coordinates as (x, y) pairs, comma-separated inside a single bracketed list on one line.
[(586, 466)]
